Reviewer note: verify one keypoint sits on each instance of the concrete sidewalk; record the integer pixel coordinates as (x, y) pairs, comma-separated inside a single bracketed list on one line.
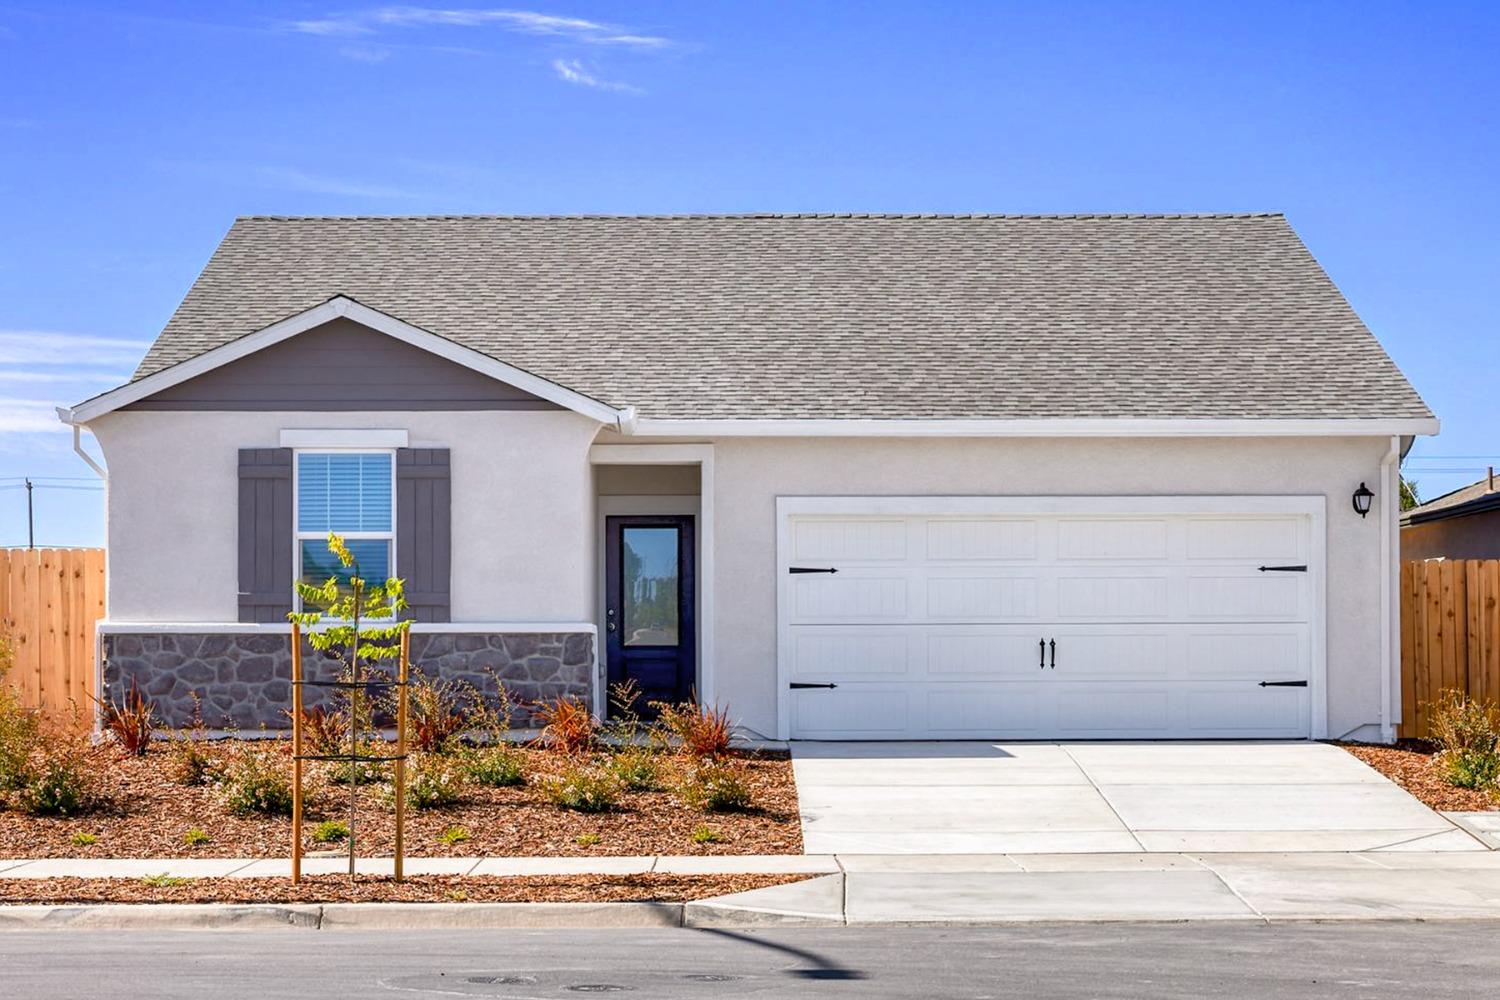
[(864, 890), (995, 889)]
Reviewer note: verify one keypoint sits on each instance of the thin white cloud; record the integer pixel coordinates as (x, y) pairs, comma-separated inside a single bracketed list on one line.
[(574, 72), (522, 22), (26, 375), (44, 347), (28, 416)]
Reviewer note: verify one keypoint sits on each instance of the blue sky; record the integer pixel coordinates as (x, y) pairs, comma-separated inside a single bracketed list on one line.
[(132, 134)]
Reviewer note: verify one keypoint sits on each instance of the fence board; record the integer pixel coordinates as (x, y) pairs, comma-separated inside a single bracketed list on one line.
[(1450, 635), (49, 602)]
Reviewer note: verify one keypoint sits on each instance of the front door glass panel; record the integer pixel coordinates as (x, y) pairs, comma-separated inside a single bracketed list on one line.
[(649, 575)]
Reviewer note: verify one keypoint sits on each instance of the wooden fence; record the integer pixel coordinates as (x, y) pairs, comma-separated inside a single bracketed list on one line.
[(49, 602), (1450, 635)]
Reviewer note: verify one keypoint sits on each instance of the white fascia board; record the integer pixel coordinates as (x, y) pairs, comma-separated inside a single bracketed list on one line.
[(365, 316), (338, 437), (1379, 427)]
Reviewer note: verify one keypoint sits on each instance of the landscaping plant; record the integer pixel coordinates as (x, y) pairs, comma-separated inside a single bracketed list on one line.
[(84, 839), (1468, 730), (131, 720), (585, 788), (716, 786), (434, 715), (704, 834), (339, 625), (432, 781), (256, 780), (196, 837), (494, 766), (58, 779), (454, 835), (701, 731), (190, 761), (330, 831), (18, 728), (567, 725)]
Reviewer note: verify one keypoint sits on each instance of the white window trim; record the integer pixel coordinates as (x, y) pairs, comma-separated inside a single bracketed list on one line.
[(299, 536), (1313, 507), (339, 438)]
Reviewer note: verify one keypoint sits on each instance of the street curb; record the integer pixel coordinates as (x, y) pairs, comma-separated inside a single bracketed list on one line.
[(340, 916)]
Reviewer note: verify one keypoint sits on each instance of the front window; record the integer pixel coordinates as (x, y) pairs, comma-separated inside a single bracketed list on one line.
[(351, 494)]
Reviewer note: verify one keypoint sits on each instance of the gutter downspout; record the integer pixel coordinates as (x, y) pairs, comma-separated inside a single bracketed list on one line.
[(1390, 569), (66, 416)]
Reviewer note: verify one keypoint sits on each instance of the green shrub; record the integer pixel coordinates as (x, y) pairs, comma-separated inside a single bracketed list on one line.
[(330, 831), (587, 839), (585, 788), (716, 786), (432, 781), (84, 839), (705, 835), (164, 881), (195, 837), (499, 766), (454, 835), (18, 728), (638, 768), (256, 781), (1469, 732), (58, 779), (360, 772)]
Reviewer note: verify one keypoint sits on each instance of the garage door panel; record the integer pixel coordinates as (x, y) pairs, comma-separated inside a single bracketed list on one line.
[(938, 626), (869, 712), (1110, 654), (953, 540), (842, 653), (1114, 598), (849, 540), (847, 596), (959, 711), (955, 654), (1087, 709), (1237, 710), (982, 598), (1125, 539), (1280, 652), (1246, 538), (1242, 597)]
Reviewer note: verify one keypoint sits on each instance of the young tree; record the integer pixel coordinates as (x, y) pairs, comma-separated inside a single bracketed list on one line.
[(341, 624)]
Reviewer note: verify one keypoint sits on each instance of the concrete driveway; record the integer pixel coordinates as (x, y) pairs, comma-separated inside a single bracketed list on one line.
[(1020, 798)]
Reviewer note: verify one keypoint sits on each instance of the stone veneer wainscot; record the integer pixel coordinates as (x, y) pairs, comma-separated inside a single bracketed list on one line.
[(243, 679)]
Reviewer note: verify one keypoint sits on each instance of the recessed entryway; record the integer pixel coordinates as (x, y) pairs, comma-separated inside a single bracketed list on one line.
[(1065, 798)]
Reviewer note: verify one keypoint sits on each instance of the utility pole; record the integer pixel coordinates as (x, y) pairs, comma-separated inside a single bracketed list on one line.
[(30, 520)]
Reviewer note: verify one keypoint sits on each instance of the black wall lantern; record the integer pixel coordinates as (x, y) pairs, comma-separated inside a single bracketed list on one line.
[(1362, 498)]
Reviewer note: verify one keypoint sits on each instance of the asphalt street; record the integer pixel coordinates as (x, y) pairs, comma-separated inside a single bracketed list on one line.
[(1157, 961)]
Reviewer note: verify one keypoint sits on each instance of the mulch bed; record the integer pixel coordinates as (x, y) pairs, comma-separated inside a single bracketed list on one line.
[(1413, 765), (657, 888), (148, 814)]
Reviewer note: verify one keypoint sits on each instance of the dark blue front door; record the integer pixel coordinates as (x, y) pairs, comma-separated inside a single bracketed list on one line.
[(650, 596)]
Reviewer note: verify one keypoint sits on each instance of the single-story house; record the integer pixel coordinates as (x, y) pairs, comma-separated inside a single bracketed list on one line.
[(849, 476), (1463, 524)]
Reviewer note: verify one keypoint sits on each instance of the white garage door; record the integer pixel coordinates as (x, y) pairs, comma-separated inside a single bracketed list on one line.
[(1080, 623)]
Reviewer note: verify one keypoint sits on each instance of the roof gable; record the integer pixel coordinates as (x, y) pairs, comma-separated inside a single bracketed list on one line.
[(245, 368)]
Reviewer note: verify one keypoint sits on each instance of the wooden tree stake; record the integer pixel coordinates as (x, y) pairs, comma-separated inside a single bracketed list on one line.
[(296, 755)]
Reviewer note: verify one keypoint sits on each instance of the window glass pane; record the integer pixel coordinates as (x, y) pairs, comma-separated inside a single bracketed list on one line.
[(649, 565), (343, 492), (372, 556)]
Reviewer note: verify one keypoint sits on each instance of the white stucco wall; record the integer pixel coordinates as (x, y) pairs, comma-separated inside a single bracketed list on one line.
[(522, 509), (751, 472)]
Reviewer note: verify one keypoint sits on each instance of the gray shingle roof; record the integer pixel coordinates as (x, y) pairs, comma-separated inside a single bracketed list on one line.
[(839, 316), (1469, 499)]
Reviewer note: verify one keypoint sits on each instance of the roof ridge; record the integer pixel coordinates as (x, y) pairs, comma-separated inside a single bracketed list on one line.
[(670, 217)]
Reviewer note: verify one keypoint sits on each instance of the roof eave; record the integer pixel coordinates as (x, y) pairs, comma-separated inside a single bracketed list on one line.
[(1059, 427)]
